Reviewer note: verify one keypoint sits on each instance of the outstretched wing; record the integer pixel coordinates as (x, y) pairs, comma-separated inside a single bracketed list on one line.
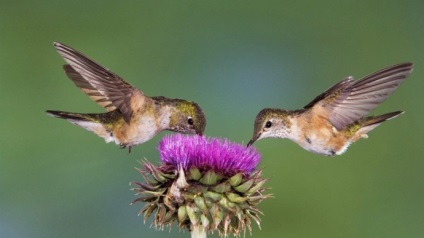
[(99, 83), (333, 89), (349, 100)]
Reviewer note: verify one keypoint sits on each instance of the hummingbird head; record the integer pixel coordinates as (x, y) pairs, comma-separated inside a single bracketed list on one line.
[(270, 123), (188, 118)]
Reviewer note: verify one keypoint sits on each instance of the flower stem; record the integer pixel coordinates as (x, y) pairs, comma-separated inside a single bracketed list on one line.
[(198, 231)]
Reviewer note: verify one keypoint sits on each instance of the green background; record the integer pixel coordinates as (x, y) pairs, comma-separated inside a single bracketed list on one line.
[(233, 58)]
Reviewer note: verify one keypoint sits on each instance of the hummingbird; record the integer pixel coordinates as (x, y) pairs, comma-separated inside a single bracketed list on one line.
[(132, 117), (337, 117)]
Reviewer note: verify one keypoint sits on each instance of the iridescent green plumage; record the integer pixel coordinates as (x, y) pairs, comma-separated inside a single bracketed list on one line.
[(132, 117)]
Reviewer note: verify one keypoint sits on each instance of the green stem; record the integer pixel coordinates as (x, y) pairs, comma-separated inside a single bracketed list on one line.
[(198, 231)]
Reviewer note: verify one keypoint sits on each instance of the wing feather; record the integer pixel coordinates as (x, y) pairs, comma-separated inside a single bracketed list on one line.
[(355, 99), (333, 89), (99, 83)]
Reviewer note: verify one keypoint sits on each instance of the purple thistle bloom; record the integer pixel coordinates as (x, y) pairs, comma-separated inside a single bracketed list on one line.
[(203, 184), (219, 155)]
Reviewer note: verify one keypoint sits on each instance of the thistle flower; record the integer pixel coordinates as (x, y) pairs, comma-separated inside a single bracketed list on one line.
[(203, 184)]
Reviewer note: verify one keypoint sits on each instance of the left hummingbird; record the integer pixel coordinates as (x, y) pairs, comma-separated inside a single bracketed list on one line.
[(132, 118)]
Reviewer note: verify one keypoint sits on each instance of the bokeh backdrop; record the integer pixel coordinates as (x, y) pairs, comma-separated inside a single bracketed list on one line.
[(234, 58)]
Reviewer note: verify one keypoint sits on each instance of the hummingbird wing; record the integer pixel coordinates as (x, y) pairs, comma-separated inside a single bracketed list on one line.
[(333, 89), (99, 83), (349, 100)]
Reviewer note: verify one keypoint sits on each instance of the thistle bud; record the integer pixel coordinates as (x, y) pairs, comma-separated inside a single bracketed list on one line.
[(203, 184)]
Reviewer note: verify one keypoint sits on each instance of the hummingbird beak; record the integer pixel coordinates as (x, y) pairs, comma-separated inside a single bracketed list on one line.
[(253, 140), (199, 132)]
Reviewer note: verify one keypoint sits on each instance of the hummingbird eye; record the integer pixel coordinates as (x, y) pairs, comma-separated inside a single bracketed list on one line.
[(190, 121), (268, 124)]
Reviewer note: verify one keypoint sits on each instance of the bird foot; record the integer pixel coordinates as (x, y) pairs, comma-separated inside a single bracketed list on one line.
[(123, 146)]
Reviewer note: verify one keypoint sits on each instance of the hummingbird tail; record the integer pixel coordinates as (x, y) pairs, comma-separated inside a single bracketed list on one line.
[(68, 115), (89, 122), (369, 123), (373, 120)]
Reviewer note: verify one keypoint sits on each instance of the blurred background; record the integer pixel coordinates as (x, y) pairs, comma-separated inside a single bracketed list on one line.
[(233, 58)]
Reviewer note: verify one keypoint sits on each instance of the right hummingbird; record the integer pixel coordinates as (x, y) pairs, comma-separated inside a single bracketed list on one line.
[(132, 117), (337, 117)]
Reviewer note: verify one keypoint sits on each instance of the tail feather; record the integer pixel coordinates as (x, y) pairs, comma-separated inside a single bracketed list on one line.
[(372, 120), (369, 123), (89, 122), (68, 115)]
